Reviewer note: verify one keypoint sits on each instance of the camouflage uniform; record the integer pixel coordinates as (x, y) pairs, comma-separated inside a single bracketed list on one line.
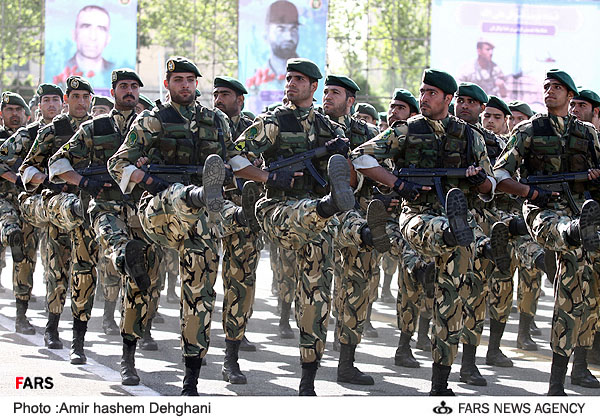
[(422, 222)]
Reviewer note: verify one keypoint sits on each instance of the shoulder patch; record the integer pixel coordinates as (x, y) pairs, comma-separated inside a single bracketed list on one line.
[(132, 138), (240, 146), (252, 133)]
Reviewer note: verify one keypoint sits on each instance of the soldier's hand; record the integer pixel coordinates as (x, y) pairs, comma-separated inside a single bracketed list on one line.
[(594, 176), (153, 185), (540, 197), (282, 179), (93, 187), (47, 184), (338, 145), (476, 176), (409, 190)]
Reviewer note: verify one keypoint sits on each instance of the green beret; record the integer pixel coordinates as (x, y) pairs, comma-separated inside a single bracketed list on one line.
[(367, 109), (249, 114), (520, 106), (562, 77), (589, 96), (10, 98), (407, 97), (342, 81), (230, 83), (440, 79), (383, 116), (182, 65), (76, 82), (146, 102), (304, 66), (47, 89), (282, 11), (102, 101), (125, 74), (499, 104), (473, 91)]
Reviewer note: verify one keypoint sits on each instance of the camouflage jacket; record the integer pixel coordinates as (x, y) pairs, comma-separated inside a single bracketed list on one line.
[(5, 137), (238, 124)]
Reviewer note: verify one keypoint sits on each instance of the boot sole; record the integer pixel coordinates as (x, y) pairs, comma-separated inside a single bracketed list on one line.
[(149, 347), (578, 382), (339, 182), (250, 195), (213, 176), (377, 220), (499, 244), (234, 381), (78, 360), (526, 348), (54, 345), (457, 212), (16, 241), (136, 265), (588, 225), (468, 381)]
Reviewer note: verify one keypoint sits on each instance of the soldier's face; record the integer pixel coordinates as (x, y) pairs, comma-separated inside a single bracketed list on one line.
[(283, 38), (182, 88), (485, 51), (433, 102), (494, 120), (126, 94), (398, 110), (100, 110), (468, 109), (556, 94), (516, 118), (365, 117), (227, 101), (91, 33), (79, 103), (298, 87), (13, 116), (383, 125), (50, 106), (335, 103), (581, 109)]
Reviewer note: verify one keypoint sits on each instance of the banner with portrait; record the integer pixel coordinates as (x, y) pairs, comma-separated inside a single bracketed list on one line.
[(271, 32), (89, 38), (507, 46)]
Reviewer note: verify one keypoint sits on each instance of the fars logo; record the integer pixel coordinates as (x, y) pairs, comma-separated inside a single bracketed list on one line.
[(36, 382)]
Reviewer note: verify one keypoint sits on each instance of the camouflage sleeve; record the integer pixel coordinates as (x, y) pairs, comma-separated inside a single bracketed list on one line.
[(73, 153), (258, 138), (14, 149), (515, 150), (139, 140), (482, 159), (227, 133), (36, 160), (387, 144)]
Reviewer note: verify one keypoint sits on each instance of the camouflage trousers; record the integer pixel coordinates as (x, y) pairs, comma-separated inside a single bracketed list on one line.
[(287, 276), (592, 324), (11, 220), (115, 224), (571, 285), (109, 276), (56, 253), (423, 229), (168, 266), (84, 253), (530, 278), (169, 221), (296, 225)]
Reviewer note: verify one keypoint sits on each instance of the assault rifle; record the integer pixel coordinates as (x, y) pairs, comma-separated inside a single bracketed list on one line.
[(431, 177), (174, 173), (558, 183), (300, 162), (97, 172)]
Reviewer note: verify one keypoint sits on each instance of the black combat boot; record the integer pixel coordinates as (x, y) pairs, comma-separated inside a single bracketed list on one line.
[(77, 353), (307, 382), (425, 274), (439, 381), (171, 294), (347, 372), (190, 380), (109, 325), (423, 341), (129, 376), (16, 241), (594, 354), (584, 231), (285, 330), (497, 249), (517, 227), (250, 195), (580, 374), (246, 345), (148, 343), (341, 196), (469, 373), (210, 195), (546, 262), (369, 330), (460, 233), (231, 369), (534, 330), (375, 232), (558, 372), (22, 325), (404, 356), (524, 341), (386, 291), (494, 356), (135, 263), (51, 338)]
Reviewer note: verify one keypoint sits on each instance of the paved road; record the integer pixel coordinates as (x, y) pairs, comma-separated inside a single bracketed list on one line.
[(272, 371)]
